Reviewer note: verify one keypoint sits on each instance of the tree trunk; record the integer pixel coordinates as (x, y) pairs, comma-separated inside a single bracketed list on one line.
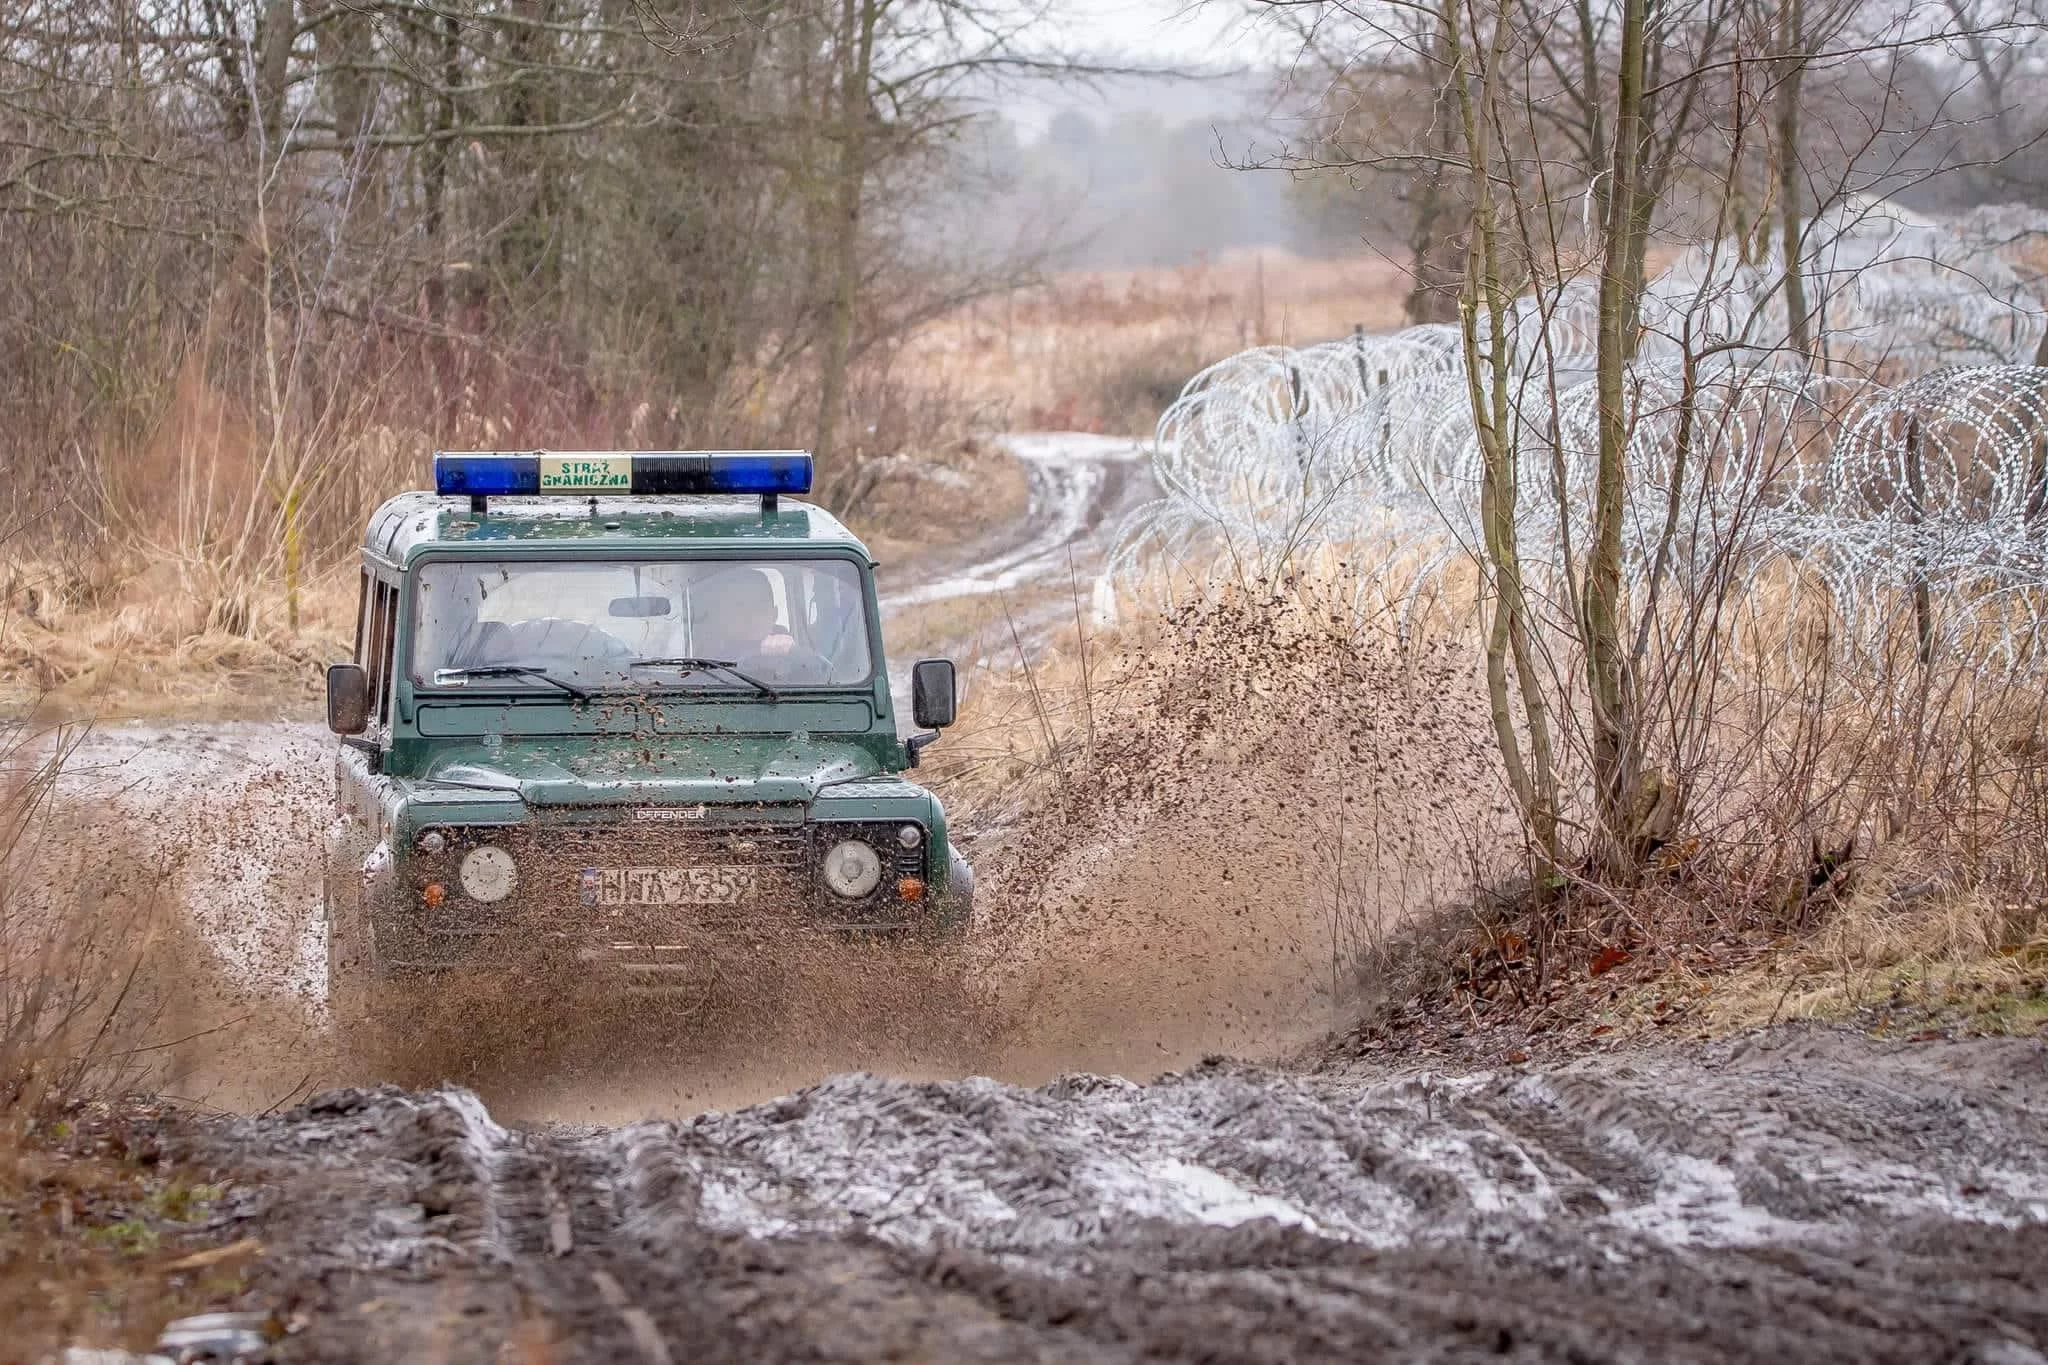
[(1614, 739), (1486, 305), (1791, 209), (525, 251), (1437, 271), (857, 54), (274, 36), (231, 84), (343, 45)]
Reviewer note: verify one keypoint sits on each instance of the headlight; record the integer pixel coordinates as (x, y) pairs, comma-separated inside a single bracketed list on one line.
[(852, 869), (431, 841), (910, 836), (488, 874)]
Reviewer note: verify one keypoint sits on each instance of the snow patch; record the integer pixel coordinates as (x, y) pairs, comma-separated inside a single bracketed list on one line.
[(1209, 1196)]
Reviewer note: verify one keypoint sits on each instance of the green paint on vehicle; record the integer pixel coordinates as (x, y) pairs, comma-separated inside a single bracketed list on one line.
[(529, 683)]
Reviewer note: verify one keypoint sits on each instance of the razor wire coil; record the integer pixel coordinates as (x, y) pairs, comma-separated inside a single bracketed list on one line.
[(1913, 460)]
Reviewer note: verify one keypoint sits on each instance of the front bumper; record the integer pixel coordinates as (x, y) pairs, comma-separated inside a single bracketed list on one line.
[(550, 925)]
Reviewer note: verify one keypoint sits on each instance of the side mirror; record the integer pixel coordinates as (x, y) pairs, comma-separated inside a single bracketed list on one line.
[(932, 700), (348, 699)]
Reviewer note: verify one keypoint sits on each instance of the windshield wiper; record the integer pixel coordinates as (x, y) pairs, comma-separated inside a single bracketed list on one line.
[(725, 666), (442, 675)]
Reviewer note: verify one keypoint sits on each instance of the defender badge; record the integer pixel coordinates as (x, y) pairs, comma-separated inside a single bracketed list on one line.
[(663, 814)]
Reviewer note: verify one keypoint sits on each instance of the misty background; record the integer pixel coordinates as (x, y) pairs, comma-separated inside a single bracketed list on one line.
[(1135, 171), (1232, 146)]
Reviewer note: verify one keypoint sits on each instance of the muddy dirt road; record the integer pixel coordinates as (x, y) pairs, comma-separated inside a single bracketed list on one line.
[(1804, 1195), (1078, 487)]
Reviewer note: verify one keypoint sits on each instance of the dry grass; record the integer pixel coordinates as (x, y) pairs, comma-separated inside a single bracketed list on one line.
[(196, 555), (1904, 958), (172, 586), (138, 640), (144, 633), (964, 628), (83, 917), (1106, 351)]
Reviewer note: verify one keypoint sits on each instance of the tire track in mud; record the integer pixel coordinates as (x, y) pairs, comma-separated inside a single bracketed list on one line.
[(1799, 1194), (1078, 487)]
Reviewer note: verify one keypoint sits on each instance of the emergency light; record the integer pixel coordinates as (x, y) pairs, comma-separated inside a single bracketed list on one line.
[(480, 474)]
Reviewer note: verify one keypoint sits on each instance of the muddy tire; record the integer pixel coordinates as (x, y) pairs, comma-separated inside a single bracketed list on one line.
[(351, 971), (957, 906)]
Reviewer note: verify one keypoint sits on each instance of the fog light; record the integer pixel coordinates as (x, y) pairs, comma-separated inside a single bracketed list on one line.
[(433, 894), (432, 841), (909, 889), (910, 836)]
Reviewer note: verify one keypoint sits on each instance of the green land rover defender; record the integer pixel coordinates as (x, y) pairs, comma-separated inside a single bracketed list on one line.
[(614, 718)]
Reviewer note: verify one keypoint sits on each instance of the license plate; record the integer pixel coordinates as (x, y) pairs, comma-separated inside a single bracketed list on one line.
[(624, 886)]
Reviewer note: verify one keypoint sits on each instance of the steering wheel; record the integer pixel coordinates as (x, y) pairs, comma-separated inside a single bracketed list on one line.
[(593, 643), (799, 664)]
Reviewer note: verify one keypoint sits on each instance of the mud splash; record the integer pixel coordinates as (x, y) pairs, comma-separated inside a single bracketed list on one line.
[(1256, 802), (1191, 897), (1201, 888), (234, 813)]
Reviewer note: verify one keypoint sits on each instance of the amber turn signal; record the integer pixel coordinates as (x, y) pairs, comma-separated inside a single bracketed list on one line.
[(433, 894), (909, 889)]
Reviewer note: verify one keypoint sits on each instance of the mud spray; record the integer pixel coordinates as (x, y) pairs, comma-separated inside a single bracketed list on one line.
[(1199, 881)]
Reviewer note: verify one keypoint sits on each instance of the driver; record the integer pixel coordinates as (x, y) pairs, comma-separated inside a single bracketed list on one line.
[(734, 617)]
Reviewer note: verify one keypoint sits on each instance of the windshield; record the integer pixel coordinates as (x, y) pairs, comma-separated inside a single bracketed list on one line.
[(612, 624)]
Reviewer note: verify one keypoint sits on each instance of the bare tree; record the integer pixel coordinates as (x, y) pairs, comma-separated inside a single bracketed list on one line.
[(1751, 134), (308, 226)]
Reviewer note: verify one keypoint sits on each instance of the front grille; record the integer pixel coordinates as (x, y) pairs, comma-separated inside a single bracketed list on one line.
[(660, 845), (552, 903)]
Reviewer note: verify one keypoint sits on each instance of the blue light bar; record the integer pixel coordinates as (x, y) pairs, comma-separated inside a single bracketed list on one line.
[(480, 473)]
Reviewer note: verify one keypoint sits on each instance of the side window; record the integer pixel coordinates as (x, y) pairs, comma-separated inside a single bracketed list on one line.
[(363, 633), (386, 651), (372, 648)]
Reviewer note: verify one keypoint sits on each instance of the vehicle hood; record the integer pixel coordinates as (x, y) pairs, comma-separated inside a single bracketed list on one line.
[(699, 768)]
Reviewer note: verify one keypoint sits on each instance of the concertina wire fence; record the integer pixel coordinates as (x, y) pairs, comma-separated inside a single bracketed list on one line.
[(1905, 474)]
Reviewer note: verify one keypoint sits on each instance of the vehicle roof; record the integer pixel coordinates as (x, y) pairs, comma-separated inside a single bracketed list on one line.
[(414, 523)]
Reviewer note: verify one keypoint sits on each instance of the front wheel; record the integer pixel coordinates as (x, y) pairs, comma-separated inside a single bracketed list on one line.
[(351, 964), (956, 905)]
